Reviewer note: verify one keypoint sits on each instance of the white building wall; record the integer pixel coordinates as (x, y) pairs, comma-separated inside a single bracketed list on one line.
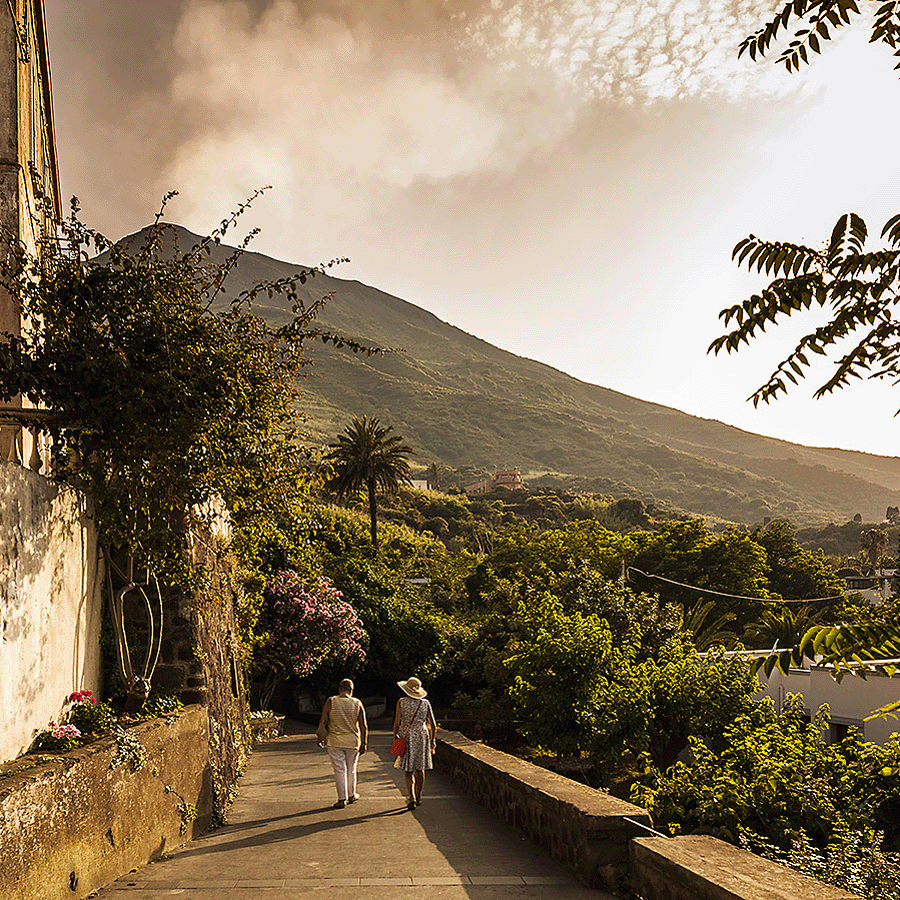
[(50, 603), (850, 700)]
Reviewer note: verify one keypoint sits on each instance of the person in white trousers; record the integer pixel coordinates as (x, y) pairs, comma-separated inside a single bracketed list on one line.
[(343, 730)]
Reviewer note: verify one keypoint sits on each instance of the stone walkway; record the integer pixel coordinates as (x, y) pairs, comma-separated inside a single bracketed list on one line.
[(284, 840)]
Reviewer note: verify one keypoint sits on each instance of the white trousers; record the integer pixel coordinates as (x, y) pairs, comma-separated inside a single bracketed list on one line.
[(343, 761)]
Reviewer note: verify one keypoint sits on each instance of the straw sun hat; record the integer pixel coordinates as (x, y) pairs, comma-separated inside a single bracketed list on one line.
[(413, 687)]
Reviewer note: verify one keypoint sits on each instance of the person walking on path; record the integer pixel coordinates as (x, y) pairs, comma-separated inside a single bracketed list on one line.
[(414, 720), (343, 730)]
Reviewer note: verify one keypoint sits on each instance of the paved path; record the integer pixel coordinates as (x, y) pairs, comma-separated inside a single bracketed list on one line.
[(285, 841)]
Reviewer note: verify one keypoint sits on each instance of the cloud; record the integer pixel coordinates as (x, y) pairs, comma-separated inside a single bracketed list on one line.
[(338, 111), (346, 106), (630, 52)]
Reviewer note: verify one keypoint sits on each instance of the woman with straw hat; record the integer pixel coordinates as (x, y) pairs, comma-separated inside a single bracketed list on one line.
[(414, 720)]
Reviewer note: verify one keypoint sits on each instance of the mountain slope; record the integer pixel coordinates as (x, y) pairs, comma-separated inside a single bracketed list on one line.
[(463, 402)]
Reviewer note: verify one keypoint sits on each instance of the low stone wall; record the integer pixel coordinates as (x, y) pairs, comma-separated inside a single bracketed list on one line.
[(72, 825), (604, 841), (585, 830), (698, 867)]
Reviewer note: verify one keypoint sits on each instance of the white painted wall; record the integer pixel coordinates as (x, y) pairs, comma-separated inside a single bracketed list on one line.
[(850, 700), (50, 603)]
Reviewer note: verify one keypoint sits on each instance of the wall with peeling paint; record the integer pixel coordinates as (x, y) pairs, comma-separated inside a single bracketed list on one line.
[(50, 603)]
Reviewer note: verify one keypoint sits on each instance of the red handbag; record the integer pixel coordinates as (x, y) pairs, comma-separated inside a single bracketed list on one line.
[(398, 748)]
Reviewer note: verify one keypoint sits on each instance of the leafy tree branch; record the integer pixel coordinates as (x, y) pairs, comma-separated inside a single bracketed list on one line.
[(859, 289)]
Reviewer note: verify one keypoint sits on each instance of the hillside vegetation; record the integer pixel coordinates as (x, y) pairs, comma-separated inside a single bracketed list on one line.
[(462, 402)]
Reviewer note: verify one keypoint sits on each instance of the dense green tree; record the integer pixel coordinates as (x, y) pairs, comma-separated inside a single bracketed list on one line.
[(367, 456), (652, 705), (557, 675), (689, 563), (157, 405), (794, 572), (578, 690)]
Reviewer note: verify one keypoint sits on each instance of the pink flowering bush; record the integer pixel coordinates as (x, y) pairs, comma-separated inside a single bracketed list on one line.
[(304, 623), (82, 697), (58, 737)]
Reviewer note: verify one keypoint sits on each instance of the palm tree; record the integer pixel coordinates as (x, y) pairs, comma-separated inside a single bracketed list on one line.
[(873, 544), (782, 627), (368, 456), (708, 626), (434, 476)]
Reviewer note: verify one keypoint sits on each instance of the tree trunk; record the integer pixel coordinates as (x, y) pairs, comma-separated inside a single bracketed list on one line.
[(372, 512)]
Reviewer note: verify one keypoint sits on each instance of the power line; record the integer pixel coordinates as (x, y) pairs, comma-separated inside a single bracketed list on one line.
[(701, 590)]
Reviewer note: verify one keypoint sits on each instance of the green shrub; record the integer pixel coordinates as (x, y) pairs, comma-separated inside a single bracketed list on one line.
[(770, 779)]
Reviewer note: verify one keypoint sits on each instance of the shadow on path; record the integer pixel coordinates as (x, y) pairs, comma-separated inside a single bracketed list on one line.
[(285, 837)]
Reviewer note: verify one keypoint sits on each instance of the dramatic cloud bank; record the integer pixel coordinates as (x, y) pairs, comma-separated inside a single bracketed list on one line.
[(565, 178), (347, 107)]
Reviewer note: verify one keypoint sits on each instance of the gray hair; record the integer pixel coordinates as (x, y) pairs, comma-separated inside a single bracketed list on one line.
[(346, 685)]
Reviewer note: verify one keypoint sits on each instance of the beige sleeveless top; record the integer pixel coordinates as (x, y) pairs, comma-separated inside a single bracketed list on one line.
[(343, 722)]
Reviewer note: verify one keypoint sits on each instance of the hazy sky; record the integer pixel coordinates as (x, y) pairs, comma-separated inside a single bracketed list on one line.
[(563, 178)]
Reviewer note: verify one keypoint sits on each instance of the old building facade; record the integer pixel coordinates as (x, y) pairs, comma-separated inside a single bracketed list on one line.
[(30, 204)]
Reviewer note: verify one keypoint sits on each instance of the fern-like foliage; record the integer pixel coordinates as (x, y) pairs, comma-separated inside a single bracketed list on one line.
[(887, 27), (858, 649), (813, 23), (859, 289), (845, 649)]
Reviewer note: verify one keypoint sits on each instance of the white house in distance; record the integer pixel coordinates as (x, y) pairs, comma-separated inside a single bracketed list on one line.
[(850, 700), (875, 586)]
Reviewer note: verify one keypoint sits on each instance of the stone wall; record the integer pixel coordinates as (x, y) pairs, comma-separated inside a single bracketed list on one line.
[(51, 616), (72, 825), (585, 830), (605, 841), (699, 867), (51, 603), (201, 661)]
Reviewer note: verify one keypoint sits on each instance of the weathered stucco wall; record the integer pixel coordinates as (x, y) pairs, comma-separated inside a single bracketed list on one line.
[(50, 603), (70, 826)]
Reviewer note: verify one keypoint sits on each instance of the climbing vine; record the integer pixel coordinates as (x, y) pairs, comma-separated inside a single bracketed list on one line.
[(166, 410)]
